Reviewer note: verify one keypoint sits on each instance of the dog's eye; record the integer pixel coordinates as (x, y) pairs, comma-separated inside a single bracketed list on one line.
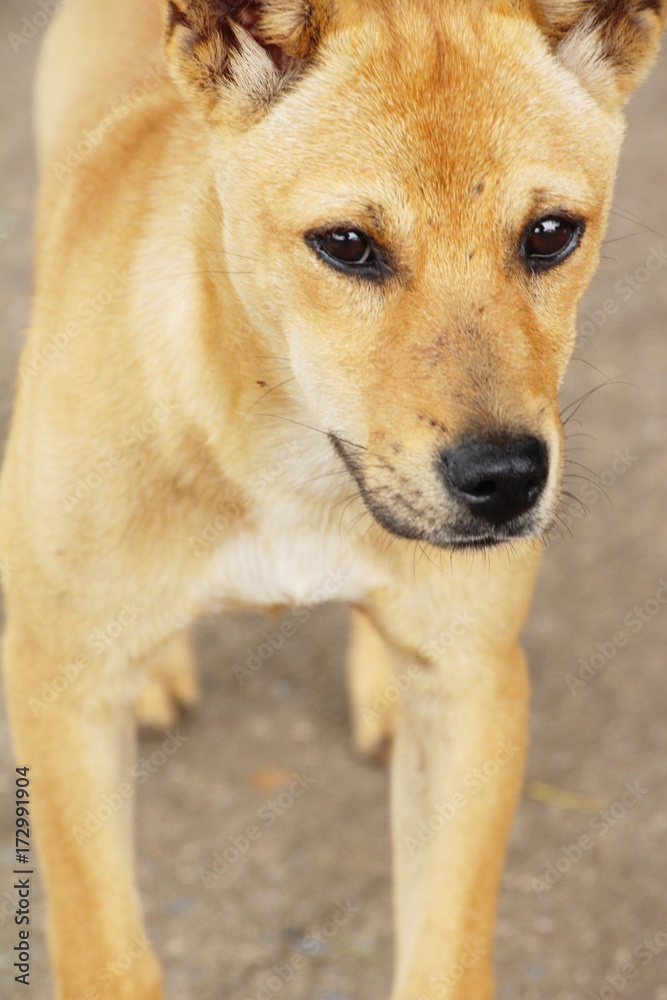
[(346, 246), (549, 241), (350, 251)]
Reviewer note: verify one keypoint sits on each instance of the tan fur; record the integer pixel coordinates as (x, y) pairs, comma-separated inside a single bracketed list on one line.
[(189, 356)]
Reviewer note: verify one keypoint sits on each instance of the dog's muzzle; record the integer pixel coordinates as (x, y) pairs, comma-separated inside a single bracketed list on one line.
[(482, 492)]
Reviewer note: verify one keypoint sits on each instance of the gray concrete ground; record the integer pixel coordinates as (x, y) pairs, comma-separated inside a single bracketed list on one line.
[(593, 927)]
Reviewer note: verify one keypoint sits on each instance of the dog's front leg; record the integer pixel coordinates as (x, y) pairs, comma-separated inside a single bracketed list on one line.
[(457, 771), (456, 774), (72, 725)]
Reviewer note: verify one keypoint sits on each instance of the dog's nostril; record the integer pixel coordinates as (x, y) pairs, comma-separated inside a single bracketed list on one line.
[(497, 482), (485, 489)]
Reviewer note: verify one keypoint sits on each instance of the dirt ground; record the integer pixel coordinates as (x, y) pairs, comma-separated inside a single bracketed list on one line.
[(588, 928)]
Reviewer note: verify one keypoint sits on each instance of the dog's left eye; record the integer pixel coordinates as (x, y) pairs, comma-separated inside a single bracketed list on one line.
[(549, 241)]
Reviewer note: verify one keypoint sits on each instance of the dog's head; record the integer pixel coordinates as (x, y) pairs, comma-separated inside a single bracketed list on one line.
[(422, 187)]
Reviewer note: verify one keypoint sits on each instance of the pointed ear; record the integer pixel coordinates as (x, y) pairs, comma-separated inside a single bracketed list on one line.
[(609, 44), (236, 56)]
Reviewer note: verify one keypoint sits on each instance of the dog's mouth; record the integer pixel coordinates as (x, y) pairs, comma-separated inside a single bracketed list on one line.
[(482, 496)]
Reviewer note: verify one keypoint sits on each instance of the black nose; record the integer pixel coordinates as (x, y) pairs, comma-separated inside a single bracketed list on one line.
[(497, 482)]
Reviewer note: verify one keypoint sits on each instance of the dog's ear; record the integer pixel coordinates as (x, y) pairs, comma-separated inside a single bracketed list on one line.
[(237, 55), (609, 44)]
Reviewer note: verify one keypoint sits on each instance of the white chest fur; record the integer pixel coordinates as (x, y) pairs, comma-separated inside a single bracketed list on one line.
[(288, 557)]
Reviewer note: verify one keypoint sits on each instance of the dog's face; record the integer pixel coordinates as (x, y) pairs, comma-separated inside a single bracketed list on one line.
[(422, 189)]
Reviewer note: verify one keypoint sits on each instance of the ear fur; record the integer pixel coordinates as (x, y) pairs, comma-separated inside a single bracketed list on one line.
[(240, 53), (609, 44)]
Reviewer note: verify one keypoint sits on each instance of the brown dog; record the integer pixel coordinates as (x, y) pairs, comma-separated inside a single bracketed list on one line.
[(396, 205)]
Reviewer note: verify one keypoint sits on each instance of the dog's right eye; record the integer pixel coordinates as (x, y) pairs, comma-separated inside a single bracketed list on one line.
[(347, 246), (348, 250)]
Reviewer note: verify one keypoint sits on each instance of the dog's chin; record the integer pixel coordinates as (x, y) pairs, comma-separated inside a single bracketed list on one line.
[(462, 536)]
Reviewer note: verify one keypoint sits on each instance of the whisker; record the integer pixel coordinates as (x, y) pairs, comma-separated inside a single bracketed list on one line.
[(353, 496), (629, 216), (267, 393), (592, 482), (573, 496), (572, 461), (360, 517), (337, 472), (574, 434), (299, 423), (213, 248), (425, 553), (617, 239), (578, 403), (194, 274), (350, 500), (585, 361)]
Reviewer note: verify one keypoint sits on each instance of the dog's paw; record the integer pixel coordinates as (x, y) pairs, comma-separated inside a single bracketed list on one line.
[(373, 733), (171, 686)]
